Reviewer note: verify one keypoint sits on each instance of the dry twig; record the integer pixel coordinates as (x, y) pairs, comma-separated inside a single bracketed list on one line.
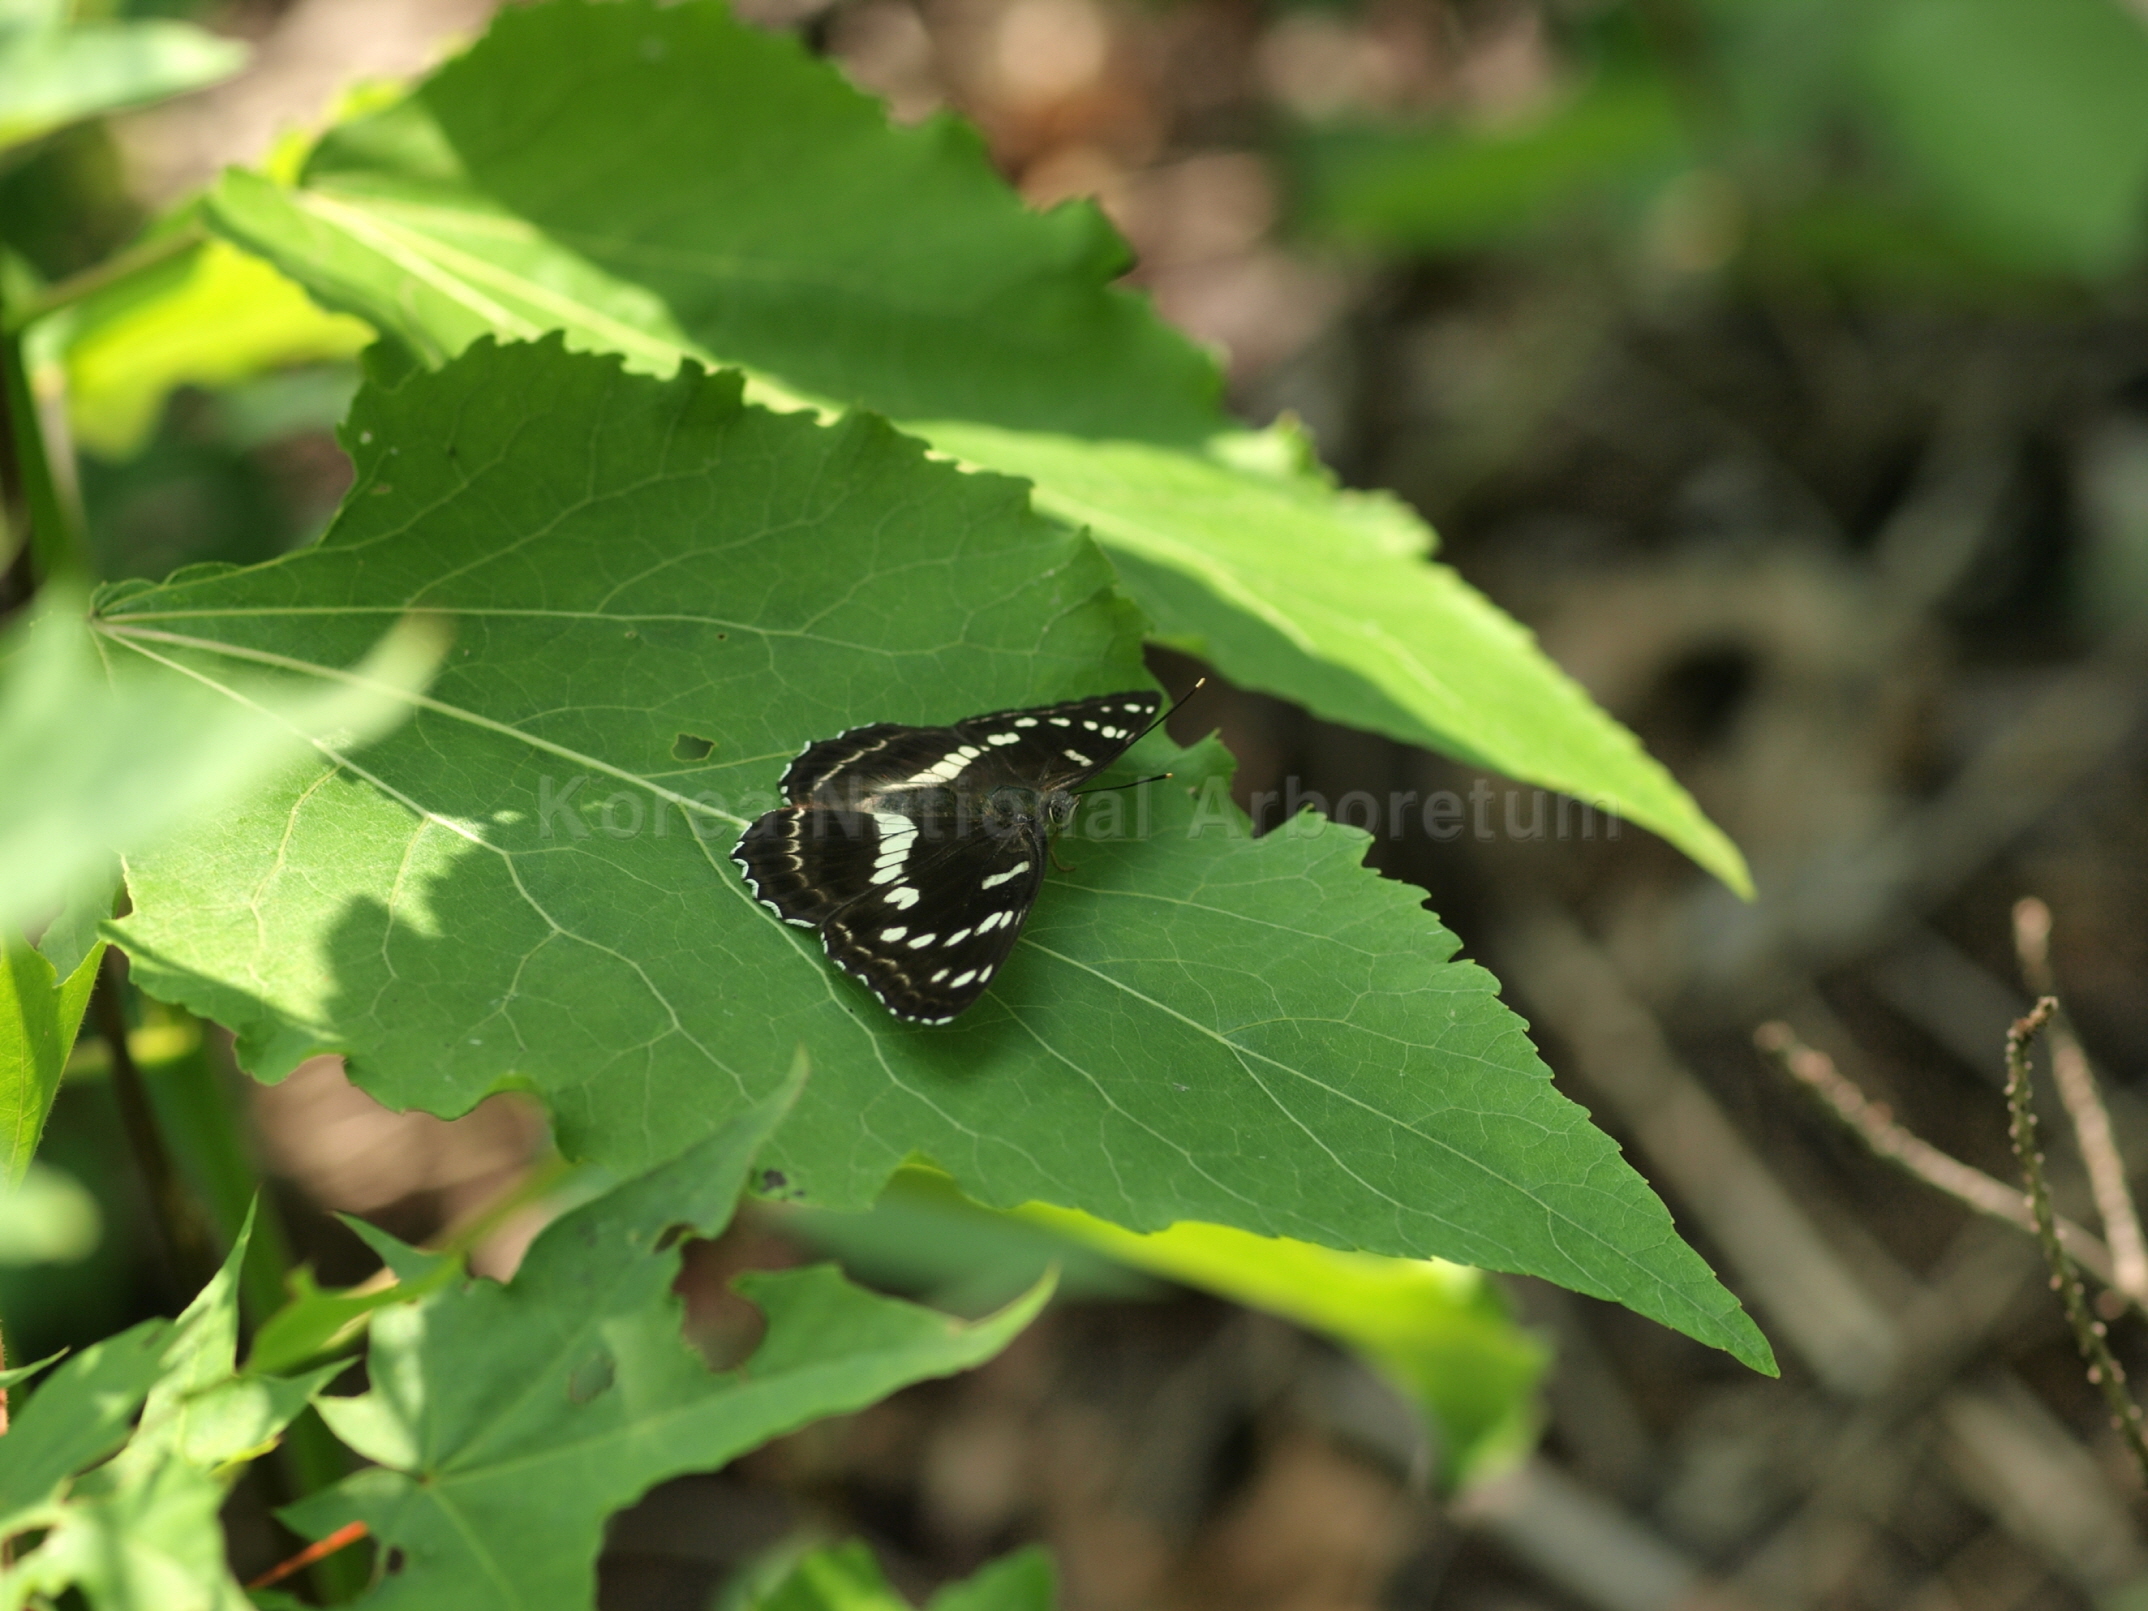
[(2088, 1331), (1875, 1126), (2084, 1106)]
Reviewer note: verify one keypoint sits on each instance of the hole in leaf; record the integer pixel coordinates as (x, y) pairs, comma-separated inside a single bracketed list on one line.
[(396, 1559), (692, 747)]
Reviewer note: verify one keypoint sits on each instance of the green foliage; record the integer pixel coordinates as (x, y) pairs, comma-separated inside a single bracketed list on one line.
[(845, 1577), (665, 183), (53, 72), (1955, 143), (40, 1013), (2029, 118), (1196, 1025), (141, 1530), (507, 1422), (210, 316), (99, 759), (1450, 190), (1440, 1332)]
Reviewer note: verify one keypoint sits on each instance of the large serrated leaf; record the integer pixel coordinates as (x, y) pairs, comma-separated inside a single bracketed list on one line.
[(524, 885), (510, 1421), (664, 183)]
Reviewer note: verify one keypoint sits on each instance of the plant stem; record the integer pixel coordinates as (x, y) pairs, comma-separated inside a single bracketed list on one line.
[(134, 260), (57, 544), (1875, 1126), (2088, 1332), (189, 1261), (2084, 1106)]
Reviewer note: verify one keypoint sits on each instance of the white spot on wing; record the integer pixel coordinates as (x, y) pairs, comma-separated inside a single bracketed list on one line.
[(918, 942), (961, 979), (1025, 721), (1004, 738), (1077, 757), (902, 897), (890, 936), (958, 936), (998, 879)]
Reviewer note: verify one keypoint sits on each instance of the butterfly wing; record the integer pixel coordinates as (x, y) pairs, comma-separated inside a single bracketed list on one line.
[(931, 960), (1052, 746), (805, 863), (884, 850), (863, 761)]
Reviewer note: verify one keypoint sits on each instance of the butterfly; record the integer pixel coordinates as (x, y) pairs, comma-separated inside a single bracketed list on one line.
[(917, 852)]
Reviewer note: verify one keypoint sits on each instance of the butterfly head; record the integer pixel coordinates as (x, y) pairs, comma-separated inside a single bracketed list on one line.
[(1013, 809)]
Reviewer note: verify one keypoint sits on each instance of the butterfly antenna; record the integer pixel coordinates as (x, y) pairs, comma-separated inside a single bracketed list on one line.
[(1153, 777), (1198, 684)]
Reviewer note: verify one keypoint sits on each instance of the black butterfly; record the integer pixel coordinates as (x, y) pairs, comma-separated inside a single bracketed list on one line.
[(918, 851)]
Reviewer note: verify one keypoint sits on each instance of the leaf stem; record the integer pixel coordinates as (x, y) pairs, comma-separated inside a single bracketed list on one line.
[(135, 259), (2088, 1332)]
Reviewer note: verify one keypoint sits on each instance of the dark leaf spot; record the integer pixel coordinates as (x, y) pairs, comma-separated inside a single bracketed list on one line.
[(591, 1377)]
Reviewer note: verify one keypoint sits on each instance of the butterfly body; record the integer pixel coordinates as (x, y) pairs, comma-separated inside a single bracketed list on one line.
[(917, 852)]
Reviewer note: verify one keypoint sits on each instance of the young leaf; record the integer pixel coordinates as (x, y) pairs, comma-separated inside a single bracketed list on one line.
[(40, 1014), (663, 182), (78, 1415), (525, 884), (508, 1422), (143, 1529), (845, 1577)]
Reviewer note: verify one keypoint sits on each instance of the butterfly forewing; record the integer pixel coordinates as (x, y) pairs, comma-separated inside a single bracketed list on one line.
[(917, 852), (1061, 745)]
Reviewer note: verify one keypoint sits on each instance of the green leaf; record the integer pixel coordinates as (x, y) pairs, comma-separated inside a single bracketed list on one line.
[(40, 1015), (509, 1421), (1339, 625), (664, 182), (2028, 117), (525, 887), (211, 317), (77, 1416), (1023, 1581), (1447, 190), (316, 1322), (142, 1530), (846, 1577), (98, 760), (1440, 1332), (52, 74)]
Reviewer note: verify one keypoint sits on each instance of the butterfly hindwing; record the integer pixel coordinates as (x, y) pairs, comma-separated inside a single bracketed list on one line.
[(931, 960), (917, 852), (808, 862)]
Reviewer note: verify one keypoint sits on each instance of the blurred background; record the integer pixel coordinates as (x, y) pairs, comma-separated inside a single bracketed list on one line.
[(1784, 365)]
